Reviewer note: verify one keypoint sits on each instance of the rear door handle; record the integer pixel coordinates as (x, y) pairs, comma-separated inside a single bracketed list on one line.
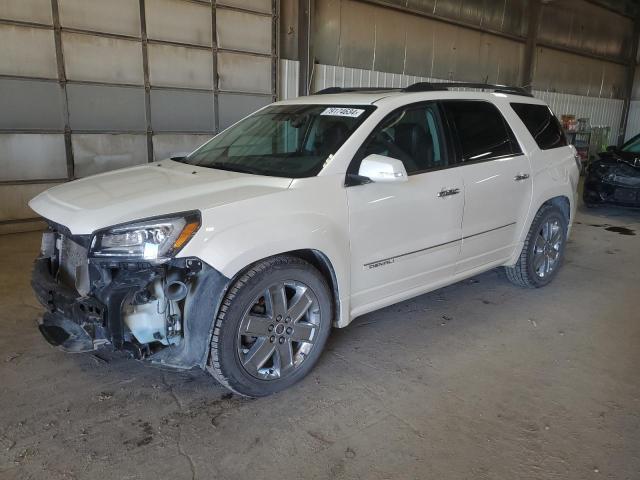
[(521, 176), (445, 192)]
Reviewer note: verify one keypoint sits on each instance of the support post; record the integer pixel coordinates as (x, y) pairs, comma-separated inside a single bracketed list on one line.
[(305, 45), (628, 84), (535, 11)]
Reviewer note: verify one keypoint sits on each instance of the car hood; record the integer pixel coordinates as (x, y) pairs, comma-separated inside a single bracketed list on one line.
[(145, 191)]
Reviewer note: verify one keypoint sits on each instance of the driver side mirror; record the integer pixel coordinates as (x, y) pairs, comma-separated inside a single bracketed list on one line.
[(381, 169)]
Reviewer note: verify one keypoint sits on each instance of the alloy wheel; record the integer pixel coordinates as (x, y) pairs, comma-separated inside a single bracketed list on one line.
[(546, 251), (278, 330)]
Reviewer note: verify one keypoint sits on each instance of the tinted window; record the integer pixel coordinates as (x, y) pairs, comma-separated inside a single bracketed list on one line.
[(482, 132), (282, 140), (412, 135), (542, 125)]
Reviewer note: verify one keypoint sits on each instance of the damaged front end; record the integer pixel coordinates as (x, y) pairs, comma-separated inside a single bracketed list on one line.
[(613, 179), (123, 289)]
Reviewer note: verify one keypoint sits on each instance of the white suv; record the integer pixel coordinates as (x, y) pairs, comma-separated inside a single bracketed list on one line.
[(240, 257)]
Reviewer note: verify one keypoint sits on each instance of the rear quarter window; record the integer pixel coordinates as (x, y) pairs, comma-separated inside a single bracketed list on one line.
[(542, 124)]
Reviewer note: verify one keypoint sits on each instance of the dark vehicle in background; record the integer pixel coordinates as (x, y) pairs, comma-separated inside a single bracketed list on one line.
[(614, 178)]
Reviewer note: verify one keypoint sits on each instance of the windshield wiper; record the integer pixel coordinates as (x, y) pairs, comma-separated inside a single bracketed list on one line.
[(231, 168)]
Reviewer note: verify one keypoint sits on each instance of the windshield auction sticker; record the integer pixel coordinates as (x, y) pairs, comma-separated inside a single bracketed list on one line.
[(342, 112)]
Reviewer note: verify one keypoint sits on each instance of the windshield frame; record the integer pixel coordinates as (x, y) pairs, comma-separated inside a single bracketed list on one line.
[(247, 163)]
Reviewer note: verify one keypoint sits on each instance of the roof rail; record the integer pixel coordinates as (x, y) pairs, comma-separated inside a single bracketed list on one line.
[(434, 86), (329, 90), (430, 87)]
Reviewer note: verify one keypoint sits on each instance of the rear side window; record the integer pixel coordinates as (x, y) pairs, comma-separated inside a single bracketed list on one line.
[(482, 131), (542, 125)]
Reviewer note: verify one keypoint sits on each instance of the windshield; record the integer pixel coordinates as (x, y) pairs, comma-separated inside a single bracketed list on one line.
[(282, 140), (632, 146)]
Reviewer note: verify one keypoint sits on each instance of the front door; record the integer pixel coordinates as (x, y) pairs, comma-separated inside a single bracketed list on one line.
[(405, 236)]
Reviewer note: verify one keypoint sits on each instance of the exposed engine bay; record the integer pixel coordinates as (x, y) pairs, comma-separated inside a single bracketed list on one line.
[(138, 307)]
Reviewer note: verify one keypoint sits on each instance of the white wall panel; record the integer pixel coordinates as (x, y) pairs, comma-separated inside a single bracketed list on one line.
[(181, 111), (97, 153), (173, 66), (112, 16), (102, 107), (101, 59), (244, 73), (178, 21), (633, 121), (27, 156), (288, 79), (14, 199), (243, 31), (36, 11), (166, 145), (255, 5), (28, 52), (600, 111)]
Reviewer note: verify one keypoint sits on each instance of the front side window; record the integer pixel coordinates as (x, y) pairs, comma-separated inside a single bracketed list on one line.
[(412, 135), (482, 131), (291, 141), (542, 125)]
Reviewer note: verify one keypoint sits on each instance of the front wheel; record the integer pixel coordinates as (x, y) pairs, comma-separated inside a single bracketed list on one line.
[(272, 327), (543, 249)]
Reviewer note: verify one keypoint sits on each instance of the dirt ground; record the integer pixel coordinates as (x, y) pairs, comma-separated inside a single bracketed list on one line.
[(480, 380)]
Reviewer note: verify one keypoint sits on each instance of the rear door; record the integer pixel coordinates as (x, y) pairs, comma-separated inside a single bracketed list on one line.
[(497, 182)]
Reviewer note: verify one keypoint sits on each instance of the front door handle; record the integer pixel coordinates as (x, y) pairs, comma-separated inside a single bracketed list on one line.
[(521, 176), (445, 192)]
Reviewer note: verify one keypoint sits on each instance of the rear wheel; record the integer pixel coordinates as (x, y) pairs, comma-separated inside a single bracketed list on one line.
[(543, 249), (272, 327)]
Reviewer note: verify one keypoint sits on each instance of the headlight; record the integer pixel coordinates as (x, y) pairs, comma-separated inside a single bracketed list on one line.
[(156, 239)]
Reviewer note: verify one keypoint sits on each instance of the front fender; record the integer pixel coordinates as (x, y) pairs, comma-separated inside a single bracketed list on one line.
[(310, 218)]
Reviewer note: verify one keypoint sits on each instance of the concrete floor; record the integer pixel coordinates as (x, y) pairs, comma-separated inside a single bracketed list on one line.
[(475, 381)]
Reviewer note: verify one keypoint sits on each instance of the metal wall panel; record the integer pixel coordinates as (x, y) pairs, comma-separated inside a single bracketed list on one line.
[(569, 73), (360, 35), (112, 16), (181, 111), (289, 78), (233, 107), (96, 153), (29, 104), (14, 199), (28, 52), (178, 21), (35, 11), (166, 146), (173, 66), (244, 73), (99, 107), (28, 156), (582, 25), (508, 16), (602, 112), (633, 121), (102, 59), (255, 5), (243, 31)]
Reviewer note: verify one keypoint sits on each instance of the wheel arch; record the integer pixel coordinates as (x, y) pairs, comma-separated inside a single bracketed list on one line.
[(324, 265)]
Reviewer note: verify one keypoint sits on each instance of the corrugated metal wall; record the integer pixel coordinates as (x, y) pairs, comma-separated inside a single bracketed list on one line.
[(92, 85), (370, 37), (478, 40), (601, 111)]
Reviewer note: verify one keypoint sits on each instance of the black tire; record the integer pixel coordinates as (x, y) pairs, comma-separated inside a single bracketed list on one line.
[(225, 363), (523, 272)]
